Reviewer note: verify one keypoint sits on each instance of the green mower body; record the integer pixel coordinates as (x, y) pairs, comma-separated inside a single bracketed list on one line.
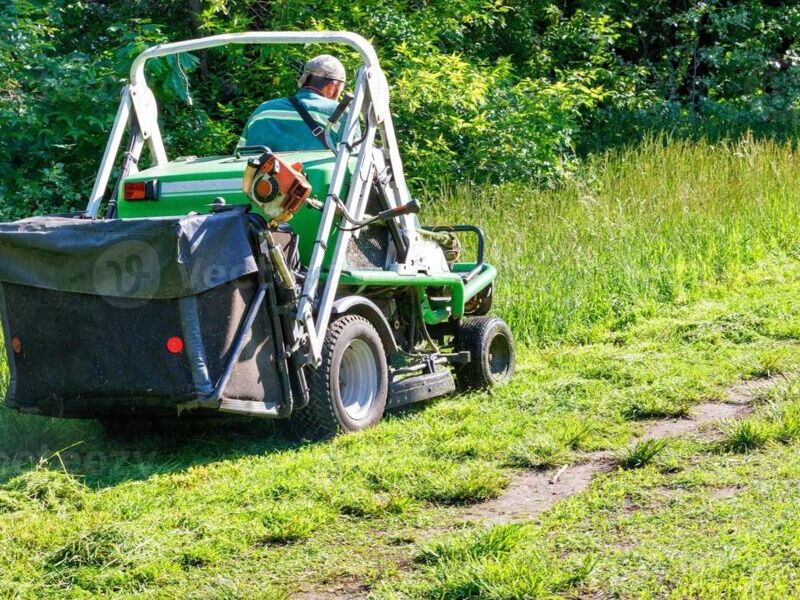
[(186, 288), (191, 184)]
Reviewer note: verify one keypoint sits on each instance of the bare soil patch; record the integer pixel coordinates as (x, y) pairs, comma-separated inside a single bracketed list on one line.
[(533, 492), (728, 491), (341, 589)]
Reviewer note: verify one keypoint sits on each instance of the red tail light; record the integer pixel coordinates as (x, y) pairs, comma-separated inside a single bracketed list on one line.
[(16, 345), (134, 191), (175, 345)]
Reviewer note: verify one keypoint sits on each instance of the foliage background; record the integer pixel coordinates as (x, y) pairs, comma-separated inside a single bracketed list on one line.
[(483, 90)]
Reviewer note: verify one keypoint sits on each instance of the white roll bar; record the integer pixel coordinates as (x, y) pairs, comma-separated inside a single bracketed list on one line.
[(138, 99), (256, 37), (380, 166)]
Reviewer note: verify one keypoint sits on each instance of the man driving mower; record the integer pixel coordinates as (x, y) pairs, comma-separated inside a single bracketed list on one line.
[(264, 306), (298, 122)]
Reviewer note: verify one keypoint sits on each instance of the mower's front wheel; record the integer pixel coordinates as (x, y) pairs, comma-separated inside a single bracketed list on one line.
[(492, 352), (348, 390)]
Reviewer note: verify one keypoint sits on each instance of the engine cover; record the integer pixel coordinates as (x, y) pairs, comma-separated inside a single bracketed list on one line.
[(278, 188)]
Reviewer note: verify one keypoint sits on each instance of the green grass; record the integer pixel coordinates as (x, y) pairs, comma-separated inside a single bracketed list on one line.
[(746, 435), (496, 564), (724, 524), (546, 450), (645, 291), (645, 226), (641, 454), (777, 420)]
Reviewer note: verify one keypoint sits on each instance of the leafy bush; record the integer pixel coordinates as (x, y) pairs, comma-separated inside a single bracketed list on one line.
[(487, 91)]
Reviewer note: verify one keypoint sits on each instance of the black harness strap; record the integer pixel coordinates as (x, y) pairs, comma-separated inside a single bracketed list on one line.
[(317, 130)]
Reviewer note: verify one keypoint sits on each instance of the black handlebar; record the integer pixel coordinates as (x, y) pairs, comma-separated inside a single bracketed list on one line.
[(481, 243), (251, 150), (343, 104)]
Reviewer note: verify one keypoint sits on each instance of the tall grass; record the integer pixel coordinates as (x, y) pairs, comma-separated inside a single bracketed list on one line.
[(639, 226), (167, 513)]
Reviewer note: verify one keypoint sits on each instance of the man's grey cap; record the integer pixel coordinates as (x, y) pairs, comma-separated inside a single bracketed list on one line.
[(324, 65)]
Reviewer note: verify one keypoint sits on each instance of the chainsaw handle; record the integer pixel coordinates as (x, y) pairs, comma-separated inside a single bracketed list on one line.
[(409, 208), (251, 150)]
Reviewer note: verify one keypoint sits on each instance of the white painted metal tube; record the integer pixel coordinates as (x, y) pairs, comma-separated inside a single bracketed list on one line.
[(329, 210), (110, 154), (353, 40)]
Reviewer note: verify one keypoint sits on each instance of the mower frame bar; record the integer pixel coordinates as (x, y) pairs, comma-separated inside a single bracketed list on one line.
[(376, 165), (148, 120), (347, 38)]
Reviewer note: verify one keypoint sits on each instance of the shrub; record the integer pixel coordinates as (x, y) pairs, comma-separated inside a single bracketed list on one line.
[(493, 92)]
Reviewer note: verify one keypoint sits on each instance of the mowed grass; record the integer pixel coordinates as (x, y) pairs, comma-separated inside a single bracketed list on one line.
[(229, 510), (722, 524)]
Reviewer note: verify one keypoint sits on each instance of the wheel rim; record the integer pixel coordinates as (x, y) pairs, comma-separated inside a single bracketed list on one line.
[(358, 379), (499, 357)]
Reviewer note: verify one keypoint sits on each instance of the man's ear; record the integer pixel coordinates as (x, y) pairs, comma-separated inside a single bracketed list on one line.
[(331, 90)]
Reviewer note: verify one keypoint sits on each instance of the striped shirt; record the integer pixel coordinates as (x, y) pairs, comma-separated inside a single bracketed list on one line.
[(277, 125)]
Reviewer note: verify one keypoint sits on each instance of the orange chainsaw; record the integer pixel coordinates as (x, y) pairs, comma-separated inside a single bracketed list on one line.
[(278, 188)]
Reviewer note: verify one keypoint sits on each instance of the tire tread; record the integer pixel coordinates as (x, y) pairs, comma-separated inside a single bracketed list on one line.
[(472, 336), (317, 420)]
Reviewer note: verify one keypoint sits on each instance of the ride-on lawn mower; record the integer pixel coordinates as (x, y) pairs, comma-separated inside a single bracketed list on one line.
[(292, 285)]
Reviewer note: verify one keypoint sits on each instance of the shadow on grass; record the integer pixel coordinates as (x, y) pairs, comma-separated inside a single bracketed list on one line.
[(83, 449)]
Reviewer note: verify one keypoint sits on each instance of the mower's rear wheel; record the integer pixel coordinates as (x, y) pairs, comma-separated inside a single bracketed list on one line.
[(492, 353), (348, 390)]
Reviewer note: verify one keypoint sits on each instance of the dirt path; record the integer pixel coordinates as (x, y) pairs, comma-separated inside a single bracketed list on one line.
[(533, 492)]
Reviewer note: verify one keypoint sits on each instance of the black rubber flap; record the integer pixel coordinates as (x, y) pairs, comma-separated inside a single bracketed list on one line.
[(154, 258)]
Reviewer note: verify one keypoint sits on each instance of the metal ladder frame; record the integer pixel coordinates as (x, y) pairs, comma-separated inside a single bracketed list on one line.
[(376, 165)]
